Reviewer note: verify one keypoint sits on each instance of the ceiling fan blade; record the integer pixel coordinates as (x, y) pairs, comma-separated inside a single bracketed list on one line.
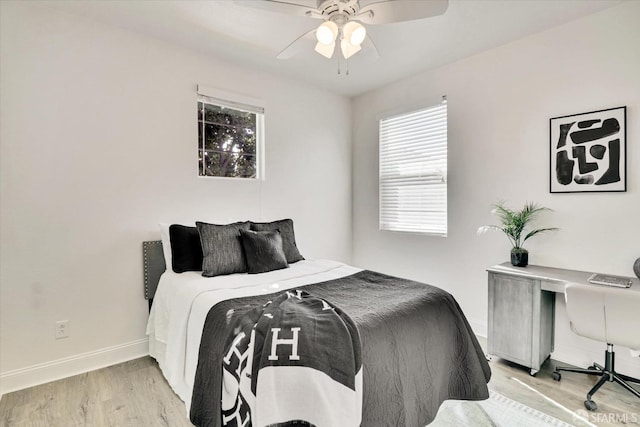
[(375, 54), (296, 46), (390, 11), (300, 7)]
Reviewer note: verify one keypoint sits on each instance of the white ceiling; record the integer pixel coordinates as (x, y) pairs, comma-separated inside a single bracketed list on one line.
[(253, 37)]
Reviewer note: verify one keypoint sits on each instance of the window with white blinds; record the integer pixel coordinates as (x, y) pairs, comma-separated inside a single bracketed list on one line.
[(413, 171)]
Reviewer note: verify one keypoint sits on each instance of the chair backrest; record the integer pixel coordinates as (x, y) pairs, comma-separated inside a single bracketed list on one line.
[(607, 314)]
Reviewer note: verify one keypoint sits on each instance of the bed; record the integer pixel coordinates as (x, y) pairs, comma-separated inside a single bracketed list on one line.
[(417, 347)]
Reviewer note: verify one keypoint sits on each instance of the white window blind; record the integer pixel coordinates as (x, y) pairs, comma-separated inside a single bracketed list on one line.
[(413, 171)]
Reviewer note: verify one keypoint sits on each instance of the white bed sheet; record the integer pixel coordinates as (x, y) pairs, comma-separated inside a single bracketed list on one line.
[(182, 301)]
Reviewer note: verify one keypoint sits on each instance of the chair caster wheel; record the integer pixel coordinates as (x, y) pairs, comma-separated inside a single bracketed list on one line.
[(590, 405), (557, 376)]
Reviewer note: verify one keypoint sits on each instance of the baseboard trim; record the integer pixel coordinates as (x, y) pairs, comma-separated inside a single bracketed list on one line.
[(42, 373)]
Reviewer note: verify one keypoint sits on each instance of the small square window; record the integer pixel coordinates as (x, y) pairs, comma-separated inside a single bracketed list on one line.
[(229, 139)]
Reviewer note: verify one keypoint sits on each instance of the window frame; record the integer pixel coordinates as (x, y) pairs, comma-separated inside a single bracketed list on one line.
[(441, 229), (224, 99)]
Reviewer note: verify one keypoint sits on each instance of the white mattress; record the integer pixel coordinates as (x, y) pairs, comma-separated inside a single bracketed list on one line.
[(182, 301)]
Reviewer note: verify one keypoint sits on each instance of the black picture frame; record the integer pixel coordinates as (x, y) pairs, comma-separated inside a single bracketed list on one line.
[(588, 152)]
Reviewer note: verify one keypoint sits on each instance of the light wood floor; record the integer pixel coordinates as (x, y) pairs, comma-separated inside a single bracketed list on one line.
[(129, 394), (136, 394), (616, 406)]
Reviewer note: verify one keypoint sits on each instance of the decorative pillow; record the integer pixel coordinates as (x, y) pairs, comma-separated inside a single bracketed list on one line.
[(285, 226), (263, 250), (221, 248), (166, 242), (186, 251)]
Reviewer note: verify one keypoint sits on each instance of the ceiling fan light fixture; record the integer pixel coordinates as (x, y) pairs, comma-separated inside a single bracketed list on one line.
[(342, 20), (354, 32), (348, 50), (327, 33), (325, 50)]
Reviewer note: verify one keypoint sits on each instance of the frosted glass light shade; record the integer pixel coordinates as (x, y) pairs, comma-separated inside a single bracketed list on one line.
[(348, 49), (354, 32), (327, 32), (325, 50)]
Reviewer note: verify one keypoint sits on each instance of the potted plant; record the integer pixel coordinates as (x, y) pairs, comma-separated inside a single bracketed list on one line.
[(514, 225)]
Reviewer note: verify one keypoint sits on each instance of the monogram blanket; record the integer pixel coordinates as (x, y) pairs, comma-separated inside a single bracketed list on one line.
[(417, 350), (294, 361)]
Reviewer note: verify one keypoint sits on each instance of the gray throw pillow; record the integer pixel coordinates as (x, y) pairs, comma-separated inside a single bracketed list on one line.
[(263, 250), (285, 226), (221, 248)]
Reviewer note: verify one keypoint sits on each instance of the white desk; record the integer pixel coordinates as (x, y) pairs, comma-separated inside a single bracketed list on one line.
[(522, 310)]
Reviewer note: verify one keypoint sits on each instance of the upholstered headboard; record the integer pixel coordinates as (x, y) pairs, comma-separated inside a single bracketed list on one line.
[(154, 266)]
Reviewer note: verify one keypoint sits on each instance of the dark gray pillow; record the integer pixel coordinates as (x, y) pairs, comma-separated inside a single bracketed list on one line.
[(263, 250), (221, 248), (285, 226), (186, 251)]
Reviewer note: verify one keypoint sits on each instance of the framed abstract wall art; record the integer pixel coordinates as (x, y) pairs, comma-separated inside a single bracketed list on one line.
[(589, 152)]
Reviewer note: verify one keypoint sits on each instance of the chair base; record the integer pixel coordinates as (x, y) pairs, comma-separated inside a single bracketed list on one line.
[(607, 374)]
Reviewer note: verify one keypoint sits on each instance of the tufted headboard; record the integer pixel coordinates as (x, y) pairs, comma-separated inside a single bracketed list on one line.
[(154, 266)]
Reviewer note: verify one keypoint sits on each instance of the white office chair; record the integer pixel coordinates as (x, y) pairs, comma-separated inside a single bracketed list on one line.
[(607, 314)]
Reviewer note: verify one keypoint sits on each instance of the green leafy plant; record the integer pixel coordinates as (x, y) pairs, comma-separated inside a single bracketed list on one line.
[(514, 223)]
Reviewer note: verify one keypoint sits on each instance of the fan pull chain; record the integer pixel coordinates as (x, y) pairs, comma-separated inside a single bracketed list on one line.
[(346, 62)]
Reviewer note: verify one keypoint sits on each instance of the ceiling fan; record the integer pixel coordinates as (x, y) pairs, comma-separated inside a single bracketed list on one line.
[(343, 20)]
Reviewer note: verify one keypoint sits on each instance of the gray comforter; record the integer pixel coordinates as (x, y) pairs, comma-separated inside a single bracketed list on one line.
[(417, 349)]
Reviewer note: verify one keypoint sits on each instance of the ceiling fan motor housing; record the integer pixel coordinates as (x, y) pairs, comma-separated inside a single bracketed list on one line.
[(338, 11)]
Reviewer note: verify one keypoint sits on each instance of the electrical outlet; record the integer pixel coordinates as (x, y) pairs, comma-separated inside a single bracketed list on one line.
[(61, 329)]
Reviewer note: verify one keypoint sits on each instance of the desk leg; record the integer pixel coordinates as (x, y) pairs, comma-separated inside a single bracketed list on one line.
[(533, 372), (552, 324)]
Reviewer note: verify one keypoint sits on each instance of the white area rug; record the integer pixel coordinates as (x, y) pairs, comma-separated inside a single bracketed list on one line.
[(497, 411)]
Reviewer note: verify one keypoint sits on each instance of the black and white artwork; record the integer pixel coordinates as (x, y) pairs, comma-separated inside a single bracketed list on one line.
[(588, 151)]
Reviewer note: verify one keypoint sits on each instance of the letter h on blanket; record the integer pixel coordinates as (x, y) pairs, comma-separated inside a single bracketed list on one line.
[(293, 342)]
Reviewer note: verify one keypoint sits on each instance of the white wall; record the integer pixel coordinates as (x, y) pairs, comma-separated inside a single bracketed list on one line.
[(500, 103), (98, 145)]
